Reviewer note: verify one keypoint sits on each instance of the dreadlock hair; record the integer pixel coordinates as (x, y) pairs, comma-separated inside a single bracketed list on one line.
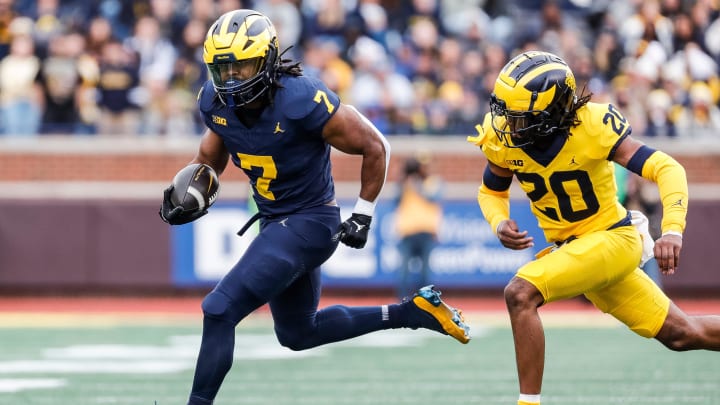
[(581, 101), (568, 120), (288, 66), (285, 67)]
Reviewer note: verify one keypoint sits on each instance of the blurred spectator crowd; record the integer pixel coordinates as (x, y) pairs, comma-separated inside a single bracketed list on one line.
[(133, 67)]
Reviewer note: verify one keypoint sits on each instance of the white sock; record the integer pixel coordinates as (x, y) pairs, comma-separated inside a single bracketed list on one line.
[(533, 399)]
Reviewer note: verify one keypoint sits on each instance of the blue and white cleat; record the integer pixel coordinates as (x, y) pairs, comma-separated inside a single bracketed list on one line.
[(436, 315)]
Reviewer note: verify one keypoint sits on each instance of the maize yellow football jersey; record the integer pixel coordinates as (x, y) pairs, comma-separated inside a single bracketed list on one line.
[(571, 186)]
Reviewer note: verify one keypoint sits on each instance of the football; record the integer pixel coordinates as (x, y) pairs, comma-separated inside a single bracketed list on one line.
[(195, 187)]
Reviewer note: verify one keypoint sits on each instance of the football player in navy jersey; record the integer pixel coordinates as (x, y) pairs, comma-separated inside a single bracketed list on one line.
[(561, 149), (278, 126)]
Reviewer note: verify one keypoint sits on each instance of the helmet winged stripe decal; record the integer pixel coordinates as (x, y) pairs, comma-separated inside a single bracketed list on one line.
[(241, 54), (533, 99)]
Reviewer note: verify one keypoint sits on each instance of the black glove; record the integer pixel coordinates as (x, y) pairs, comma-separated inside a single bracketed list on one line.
[(354, 231), (177, 215)]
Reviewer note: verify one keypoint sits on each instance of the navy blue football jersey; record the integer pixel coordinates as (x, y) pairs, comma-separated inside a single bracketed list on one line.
[(283, 153)]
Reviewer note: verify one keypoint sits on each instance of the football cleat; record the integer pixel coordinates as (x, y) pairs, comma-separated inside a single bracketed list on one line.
[(436, 315)]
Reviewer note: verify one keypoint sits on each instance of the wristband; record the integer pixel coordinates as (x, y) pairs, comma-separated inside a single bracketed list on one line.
[(364, 207), (676, 233)]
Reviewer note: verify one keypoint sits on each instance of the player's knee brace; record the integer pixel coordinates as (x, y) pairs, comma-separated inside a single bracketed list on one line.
[(219, 306)]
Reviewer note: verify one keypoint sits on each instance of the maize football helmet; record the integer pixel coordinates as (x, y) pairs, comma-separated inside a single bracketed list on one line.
[(241, 54), (533, 99)]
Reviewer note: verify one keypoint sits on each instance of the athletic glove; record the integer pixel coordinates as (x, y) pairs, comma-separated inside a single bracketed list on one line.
[(177, 215), (354, 231)]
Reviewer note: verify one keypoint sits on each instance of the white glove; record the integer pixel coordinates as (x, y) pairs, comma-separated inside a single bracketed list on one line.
[(640, 221)]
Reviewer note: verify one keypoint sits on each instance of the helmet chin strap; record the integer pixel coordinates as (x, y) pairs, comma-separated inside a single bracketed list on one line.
[(230, 101)]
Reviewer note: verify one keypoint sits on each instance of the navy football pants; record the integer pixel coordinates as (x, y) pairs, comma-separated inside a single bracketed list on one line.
[(280, 267)]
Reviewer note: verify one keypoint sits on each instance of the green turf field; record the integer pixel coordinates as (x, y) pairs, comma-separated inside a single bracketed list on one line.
[(118, 363)]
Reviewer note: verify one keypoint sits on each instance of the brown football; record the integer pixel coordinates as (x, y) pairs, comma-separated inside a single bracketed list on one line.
[(195, 187)]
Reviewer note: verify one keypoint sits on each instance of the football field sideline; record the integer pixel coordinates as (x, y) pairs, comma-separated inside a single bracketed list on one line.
[(58, 310)]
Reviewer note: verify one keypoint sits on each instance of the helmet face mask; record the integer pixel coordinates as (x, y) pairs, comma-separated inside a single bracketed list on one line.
[(228, 75), (239, 83), (520, 128), (241, 54), (532, 100)]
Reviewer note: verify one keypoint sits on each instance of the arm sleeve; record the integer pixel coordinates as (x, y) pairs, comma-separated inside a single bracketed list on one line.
[(670, 177), (494, 198)]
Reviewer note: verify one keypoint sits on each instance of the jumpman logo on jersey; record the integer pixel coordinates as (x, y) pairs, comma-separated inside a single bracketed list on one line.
[(278, 129), (358, 226), (573, 162), (284, 222)]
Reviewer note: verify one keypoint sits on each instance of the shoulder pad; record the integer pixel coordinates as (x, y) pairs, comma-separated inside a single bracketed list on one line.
[(592, 113), (602, 128), (207, 97), (295, 97)]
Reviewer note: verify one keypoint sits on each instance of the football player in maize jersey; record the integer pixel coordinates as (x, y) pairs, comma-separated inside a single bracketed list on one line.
[(278, 127), (561, 149)]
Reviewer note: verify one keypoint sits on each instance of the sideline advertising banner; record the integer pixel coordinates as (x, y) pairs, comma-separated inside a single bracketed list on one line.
[(468, 253)]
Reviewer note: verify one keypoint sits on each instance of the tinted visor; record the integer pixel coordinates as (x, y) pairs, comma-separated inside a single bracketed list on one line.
[(514, 128), (231, 75), (519, 121)]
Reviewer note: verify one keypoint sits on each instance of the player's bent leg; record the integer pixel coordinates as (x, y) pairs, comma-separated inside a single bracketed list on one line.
[(523, 299), (427, 310), (640, 304), (300, 326), (682, 332), (332, 324)]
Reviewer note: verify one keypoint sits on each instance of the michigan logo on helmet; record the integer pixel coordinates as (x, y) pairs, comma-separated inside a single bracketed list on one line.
[(532, 99), (241, 54)]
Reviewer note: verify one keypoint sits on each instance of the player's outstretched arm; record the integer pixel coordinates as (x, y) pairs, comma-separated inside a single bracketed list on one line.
[(350, 132), (670, 177)]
